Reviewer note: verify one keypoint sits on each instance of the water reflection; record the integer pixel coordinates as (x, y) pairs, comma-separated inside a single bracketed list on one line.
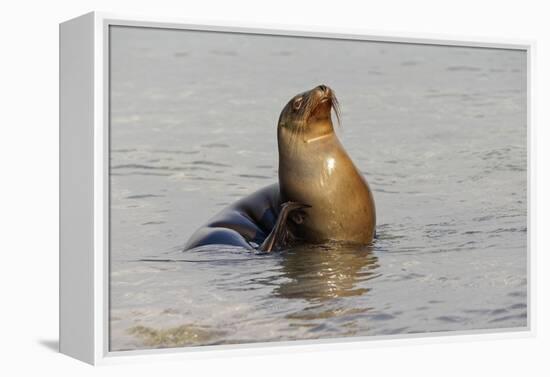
[(322, 272)]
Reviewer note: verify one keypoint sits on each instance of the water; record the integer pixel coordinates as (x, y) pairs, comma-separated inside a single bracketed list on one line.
[(439, 132)]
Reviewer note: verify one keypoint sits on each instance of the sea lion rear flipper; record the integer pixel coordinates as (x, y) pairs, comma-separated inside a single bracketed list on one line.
[(279, 235)]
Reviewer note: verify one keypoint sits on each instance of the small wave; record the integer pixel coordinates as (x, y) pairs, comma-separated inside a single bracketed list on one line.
[(196, 165), (123, 150), (483, 218), (215, 145), (386, 191), (522, 316), (438, 233), (143, 166), (483, 104), (141, 173), (462, 68), (509, 230), (470, 232), (450, 318), (517, 294), (254, 176), (283, 53), (143, 196), (169, 151), (380, 317), (210, 163)]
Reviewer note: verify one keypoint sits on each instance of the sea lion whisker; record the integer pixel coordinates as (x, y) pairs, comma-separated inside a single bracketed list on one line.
[(337, 109)]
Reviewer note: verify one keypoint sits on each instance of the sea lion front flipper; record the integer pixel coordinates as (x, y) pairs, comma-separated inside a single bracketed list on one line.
[(279, 235)]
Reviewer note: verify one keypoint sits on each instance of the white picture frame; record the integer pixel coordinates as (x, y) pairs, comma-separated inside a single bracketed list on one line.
[(84, 191)]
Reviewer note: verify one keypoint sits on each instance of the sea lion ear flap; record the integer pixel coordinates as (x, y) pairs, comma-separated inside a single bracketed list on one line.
[(296, 212)]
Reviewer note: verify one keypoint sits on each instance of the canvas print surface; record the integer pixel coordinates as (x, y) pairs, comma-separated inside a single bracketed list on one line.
[(407, 215)]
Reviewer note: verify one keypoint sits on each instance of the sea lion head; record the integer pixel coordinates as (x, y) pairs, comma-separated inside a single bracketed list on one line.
[(308, 114)]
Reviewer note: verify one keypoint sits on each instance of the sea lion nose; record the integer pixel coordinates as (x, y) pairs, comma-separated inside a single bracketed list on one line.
[(323, 88)]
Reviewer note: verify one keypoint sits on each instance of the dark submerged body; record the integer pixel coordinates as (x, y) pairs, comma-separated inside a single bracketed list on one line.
[(244, 223)]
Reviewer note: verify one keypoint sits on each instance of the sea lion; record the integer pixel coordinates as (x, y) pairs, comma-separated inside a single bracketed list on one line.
[(320, 196)]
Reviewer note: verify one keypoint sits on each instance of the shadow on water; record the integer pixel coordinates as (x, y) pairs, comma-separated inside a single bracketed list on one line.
[(322, 272)]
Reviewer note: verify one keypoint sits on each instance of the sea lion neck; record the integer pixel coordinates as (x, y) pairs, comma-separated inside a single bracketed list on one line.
[(317, 130), (290, 137)]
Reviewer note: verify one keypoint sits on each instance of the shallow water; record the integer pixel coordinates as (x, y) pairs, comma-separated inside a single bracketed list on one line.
[(439, 132)]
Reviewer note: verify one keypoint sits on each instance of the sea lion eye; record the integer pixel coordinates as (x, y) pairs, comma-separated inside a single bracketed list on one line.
[(297, 103)]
